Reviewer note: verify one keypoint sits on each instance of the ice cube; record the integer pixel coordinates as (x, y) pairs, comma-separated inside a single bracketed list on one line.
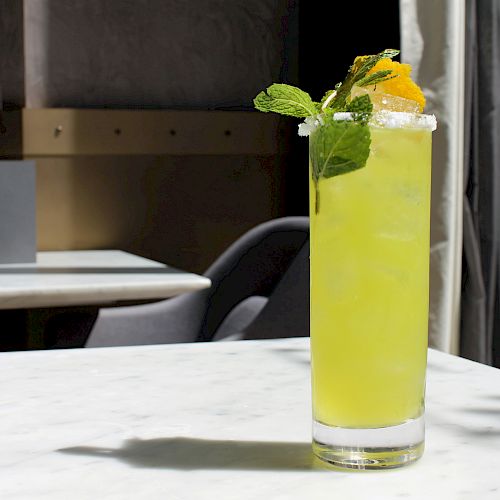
[(386, 102)]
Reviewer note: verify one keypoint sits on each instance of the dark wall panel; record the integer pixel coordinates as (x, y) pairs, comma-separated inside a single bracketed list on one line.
[(156, 53), (11, 54)]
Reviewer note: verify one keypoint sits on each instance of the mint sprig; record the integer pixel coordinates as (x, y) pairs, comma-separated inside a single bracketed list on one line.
[(337, 146), (357, 73)]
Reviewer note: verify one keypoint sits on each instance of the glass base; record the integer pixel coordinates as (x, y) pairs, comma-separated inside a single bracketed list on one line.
[(376, 448)]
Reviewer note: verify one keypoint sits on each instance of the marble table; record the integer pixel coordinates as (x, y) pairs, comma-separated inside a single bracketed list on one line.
[(76, 283), (85, 277), (226, 420)]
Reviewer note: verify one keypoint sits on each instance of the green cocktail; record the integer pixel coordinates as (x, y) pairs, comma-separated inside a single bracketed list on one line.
[(370, 171), (369, 301)]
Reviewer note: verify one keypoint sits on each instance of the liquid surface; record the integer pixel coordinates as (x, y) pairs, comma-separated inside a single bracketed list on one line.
[(369, 285)]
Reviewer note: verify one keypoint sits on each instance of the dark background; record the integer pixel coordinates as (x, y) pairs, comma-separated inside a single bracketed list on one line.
[(330, 37)]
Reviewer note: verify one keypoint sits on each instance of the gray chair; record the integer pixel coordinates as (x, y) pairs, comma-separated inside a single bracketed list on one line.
[(260, 289)]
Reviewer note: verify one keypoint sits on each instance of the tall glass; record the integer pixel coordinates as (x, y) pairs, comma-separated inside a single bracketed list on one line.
[(369, 302)]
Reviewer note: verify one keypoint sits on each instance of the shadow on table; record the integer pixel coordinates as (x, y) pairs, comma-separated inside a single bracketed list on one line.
[(465, 428), (296, 354), (190, 454), (484, 411)]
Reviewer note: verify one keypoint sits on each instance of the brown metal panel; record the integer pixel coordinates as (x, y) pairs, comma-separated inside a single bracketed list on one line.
[(181, 210), (76, 132)]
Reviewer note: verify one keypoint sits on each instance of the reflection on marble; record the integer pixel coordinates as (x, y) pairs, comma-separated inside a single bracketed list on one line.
[(83, 277), (220, 420)]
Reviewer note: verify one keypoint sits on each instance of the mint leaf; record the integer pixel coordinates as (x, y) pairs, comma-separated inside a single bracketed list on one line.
[(361, 107), (361, 104), (286, 100), (389, 53), (339, 147), (377, 77), (336, 148)]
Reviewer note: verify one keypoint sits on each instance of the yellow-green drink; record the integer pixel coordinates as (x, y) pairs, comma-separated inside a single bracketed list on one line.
[(369, 296), (370, 171)]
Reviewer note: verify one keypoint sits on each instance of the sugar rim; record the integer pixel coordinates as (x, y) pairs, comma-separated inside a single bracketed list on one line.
[(379, 119), (396, 119)]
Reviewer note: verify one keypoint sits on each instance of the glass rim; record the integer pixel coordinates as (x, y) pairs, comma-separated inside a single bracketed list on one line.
[(383, 119), (395, 120)]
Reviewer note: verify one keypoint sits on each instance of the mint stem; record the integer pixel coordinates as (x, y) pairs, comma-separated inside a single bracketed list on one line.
[(316, 203)]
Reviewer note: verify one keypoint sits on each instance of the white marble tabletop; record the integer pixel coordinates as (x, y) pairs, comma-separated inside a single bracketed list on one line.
[(222, 420), (86, 277)]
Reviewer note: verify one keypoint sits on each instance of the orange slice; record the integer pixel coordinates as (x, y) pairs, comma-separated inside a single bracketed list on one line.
[(401, 86)]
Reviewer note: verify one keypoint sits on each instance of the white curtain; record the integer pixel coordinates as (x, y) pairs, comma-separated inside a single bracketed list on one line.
[(433, 42)]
